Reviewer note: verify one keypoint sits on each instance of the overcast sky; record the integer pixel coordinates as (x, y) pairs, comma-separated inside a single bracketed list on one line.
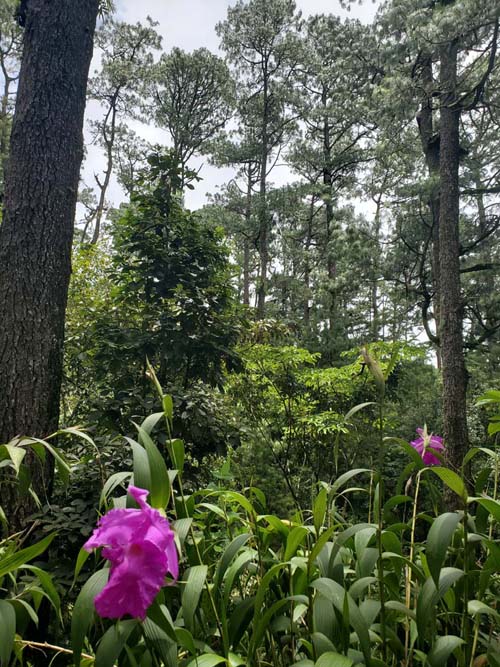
[(190, 24)]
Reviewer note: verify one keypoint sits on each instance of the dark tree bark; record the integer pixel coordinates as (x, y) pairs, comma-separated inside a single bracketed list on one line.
[(430, 141), (246, 242), (39, 206), (328, 187), (451, 306), (263, 212)]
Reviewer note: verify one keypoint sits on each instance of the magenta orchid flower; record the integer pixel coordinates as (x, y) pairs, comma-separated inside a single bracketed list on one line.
[(139, 544), (426, 444)]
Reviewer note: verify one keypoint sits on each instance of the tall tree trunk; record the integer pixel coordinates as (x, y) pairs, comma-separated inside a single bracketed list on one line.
[(109, 142), (375, 323), (430, 146), (307, 269), (263, 214), (327, 190), (451, 335), (246, 242), (37, 230)]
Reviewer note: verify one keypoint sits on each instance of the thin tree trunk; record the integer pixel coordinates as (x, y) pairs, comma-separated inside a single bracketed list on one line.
[(103, 187), (246, 242), (451, 335), (263, 213), (330, 261), (307, 269), (36, 235), (375, 325), (430, 146)]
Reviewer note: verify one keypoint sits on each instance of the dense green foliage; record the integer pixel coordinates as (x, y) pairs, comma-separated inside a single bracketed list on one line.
[(404, 582), (260, 365)]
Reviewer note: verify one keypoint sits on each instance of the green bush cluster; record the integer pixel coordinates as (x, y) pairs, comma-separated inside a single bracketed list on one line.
[(408, 584)]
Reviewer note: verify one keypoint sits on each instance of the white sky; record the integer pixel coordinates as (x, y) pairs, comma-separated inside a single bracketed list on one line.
[(190, 24)]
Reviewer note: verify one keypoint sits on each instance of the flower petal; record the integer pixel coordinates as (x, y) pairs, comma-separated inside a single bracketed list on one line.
[(134, 584)]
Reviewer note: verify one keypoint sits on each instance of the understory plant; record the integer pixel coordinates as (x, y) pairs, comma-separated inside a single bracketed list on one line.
[(408, 585), (256, 589)]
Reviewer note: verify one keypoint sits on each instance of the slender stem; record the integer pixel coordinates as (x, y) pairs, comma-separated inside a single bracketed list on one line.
[(465, 617), (474, 641), (495, 492), (380, 566), (370, 496), (408, 568), (51, 647)]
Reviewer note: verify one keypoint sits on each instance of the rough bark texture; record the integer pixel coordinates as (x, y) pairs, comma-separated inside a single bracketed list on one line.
[(37, 230), (246, 242), (430, 146), (327, 184), (451, 336), (263, 212)]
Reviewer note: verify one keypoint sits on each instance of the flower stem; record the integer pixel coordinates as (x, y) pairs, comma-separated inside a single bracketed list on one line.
[(380, 565), (408, 569)]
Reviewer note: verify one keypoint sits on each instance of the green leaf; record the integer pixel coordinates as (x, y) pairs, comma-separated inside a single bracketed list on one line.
[(16, 455), (83, 612), (337, 594), (111, 484), (162, 642), (168, 407), (241, 616), (185, 639), (493, 427), (142, 475), (7, 631), (112, 643), (438, 541), (228, 555), (442, 648), (357, 408), (331, 659), (275, 523), (150, 422), (207, 660), (294, 540), (237, 566), (178, 453), (475, 607), (451, 479), (340, 481), (82, 558), (394, 605), (61, 464), (48, 586), (493, 506), (491, 396), (160, 615), (319, 509), (192, 591), (412, 453), (473, 451), (430, 595), (318, 547), (344, 537), (19, 558), (241, 500), (160, 481), (181, 529)]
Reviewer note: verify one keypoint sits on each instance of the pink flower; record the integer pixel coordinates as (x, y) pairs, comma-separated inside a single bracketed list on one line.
[(139, 543), (426, 444)]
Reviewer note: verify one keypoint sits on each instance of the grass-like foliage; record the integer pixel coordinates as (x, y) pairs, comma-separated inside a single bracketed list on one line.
[(410, 585)]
